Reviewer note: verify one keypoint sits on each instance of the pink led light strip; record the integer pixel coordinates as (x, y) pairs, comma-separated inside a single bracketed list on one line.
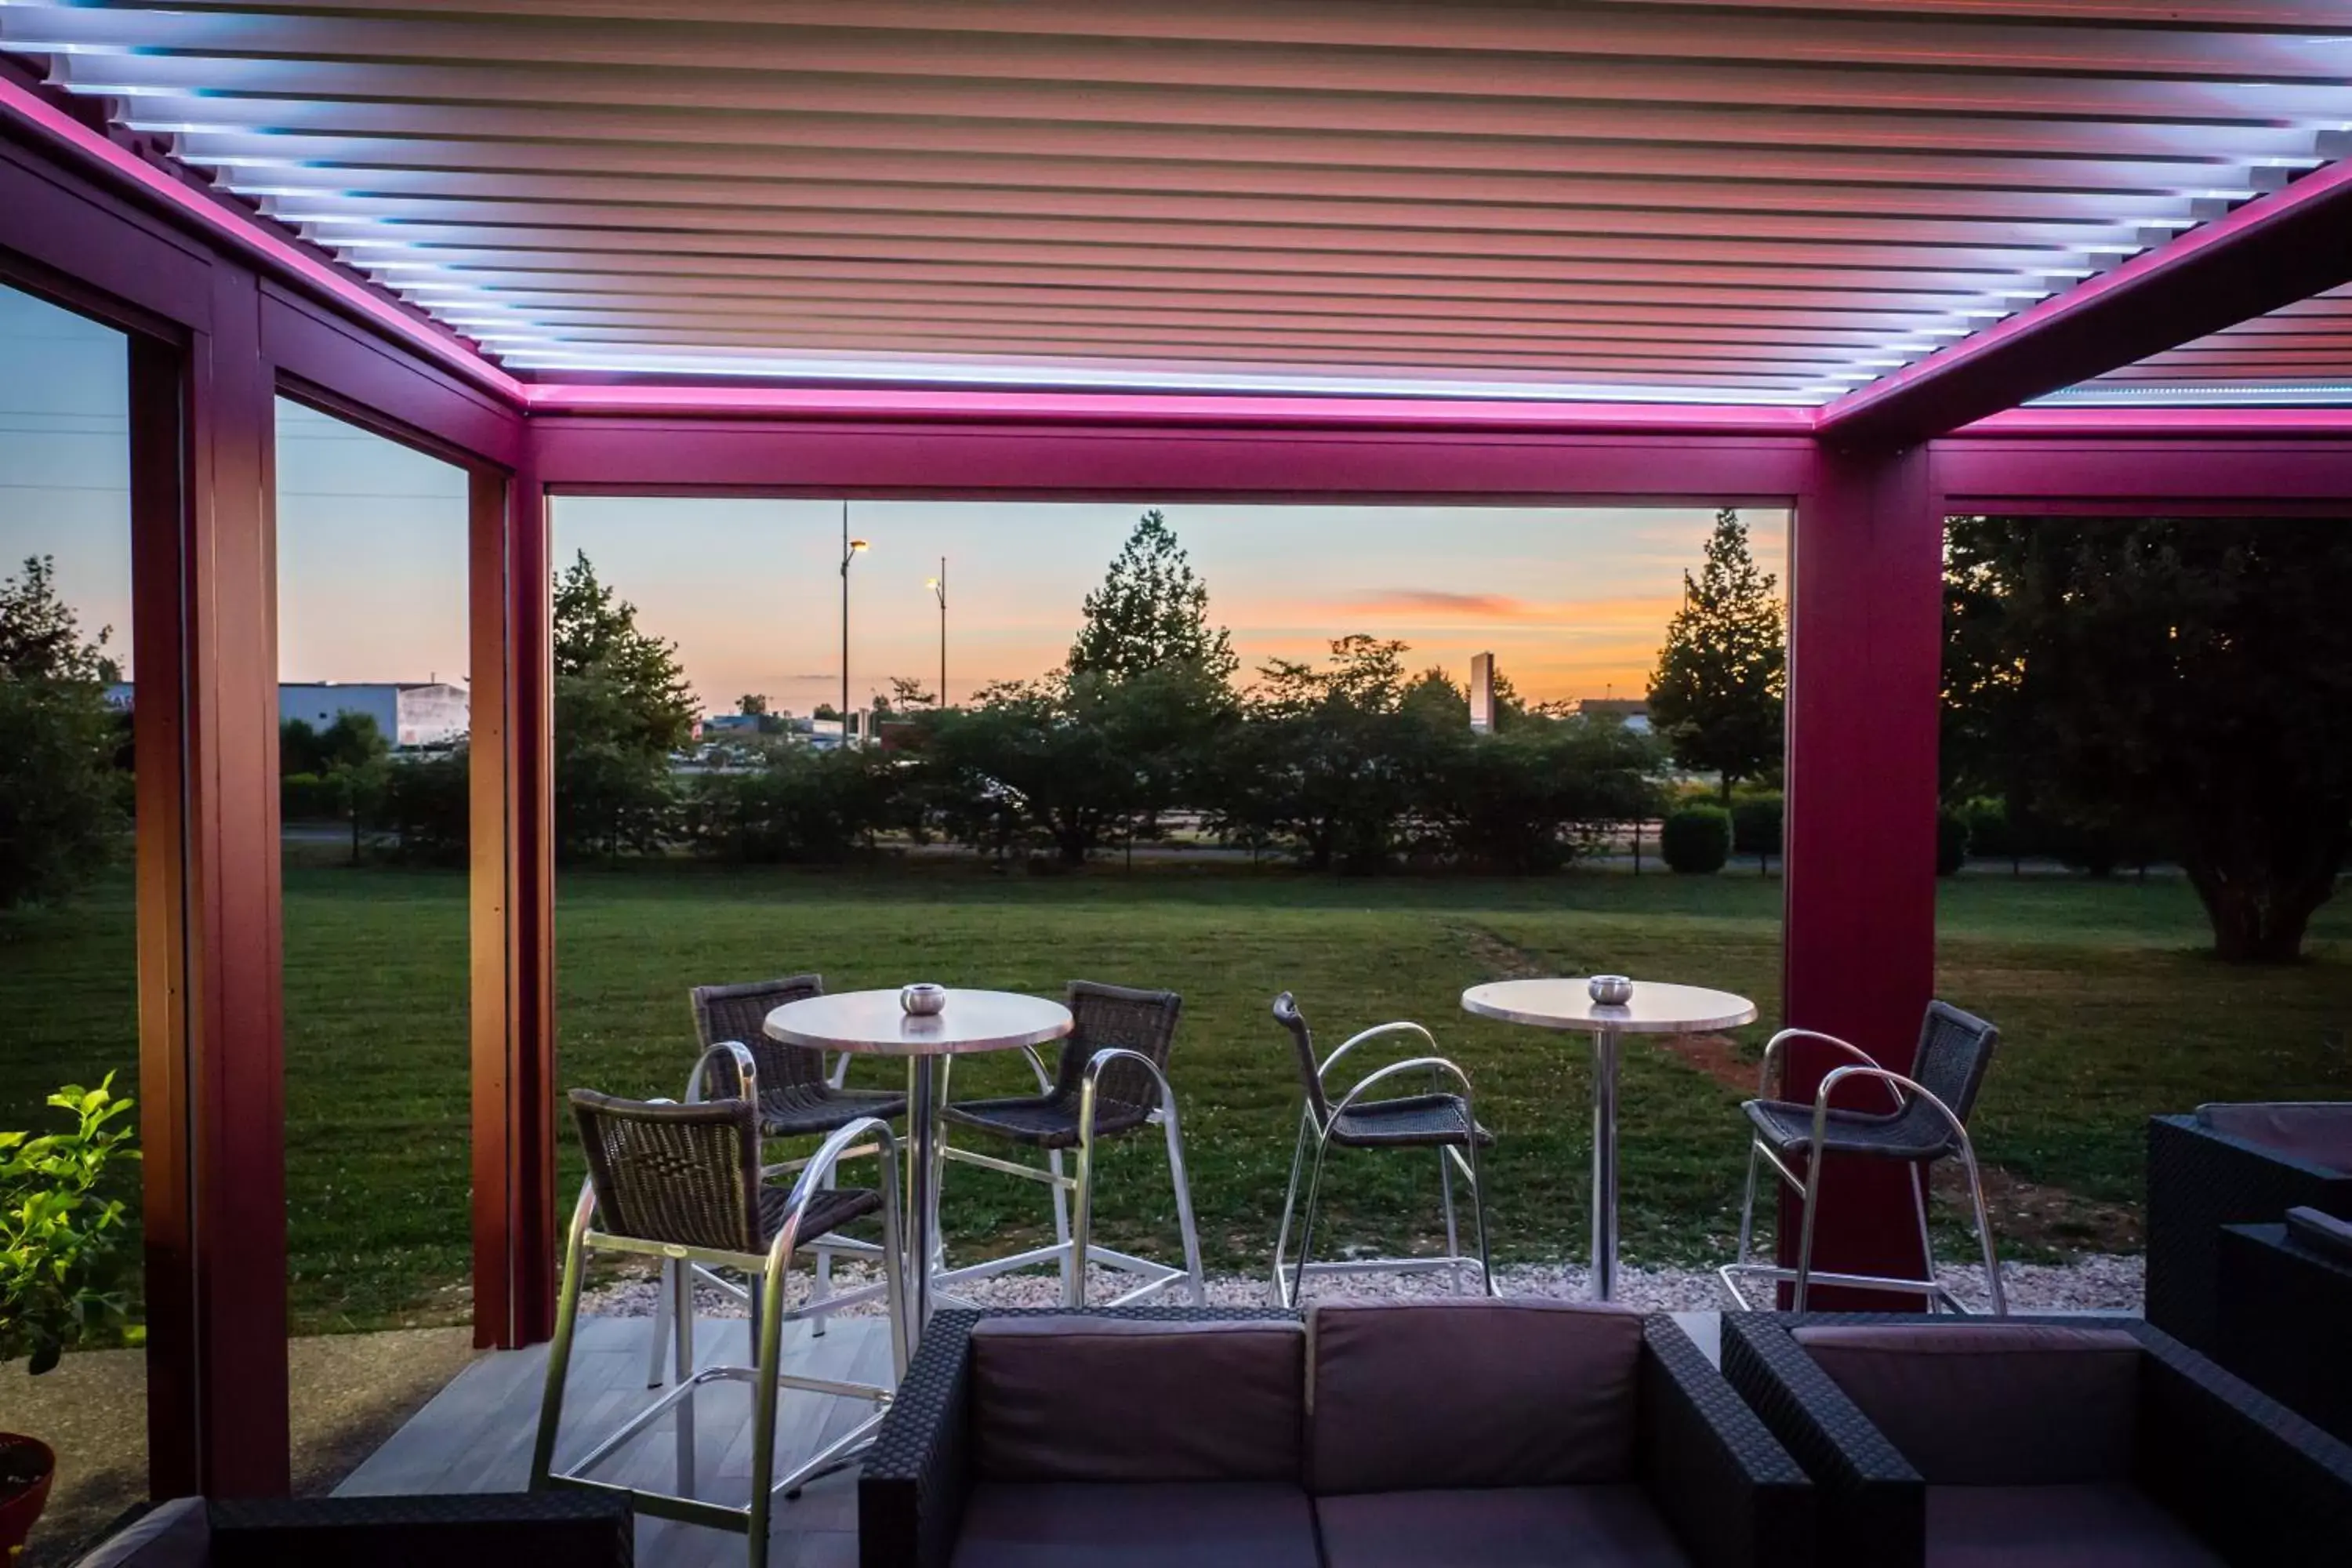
[(251, 237)]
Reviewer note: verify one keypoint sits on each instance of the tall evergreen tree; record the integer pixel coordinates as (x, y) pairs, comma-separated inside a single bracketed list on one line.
[(622, 706), (1151, 612), (1720, 691)]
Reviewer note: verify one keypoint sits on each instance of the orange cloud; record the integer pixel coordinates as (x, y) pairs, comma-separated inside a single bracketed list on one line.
[(1433, 601)]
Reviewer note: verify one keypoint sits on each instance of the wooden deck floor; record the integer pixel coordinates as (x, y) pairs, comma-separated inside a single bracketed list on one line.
[(476, 1435)]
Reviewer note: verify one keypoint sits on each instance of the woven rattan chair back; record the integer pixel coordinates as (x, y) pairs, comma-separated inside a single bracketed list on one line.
[(740, 1013), (1302, 1038), (1104, 1017), (684, 1175), (1955, 1050)]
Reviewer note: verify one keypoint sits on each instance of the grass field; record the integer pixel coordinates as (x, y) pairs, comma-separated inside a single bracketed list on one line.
[(2110, 1010)]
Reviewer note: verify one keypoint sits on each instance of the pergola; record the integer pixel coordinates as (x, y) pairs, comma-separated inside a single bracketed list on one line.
[(1878, 263)]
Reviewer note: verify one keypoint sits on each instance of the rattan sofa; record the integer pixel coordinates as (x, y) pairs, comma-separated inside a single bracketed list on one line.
[(475, 1529), (2286, 1313), (2232, 1164), (1503, 1433), (2037, 1443)]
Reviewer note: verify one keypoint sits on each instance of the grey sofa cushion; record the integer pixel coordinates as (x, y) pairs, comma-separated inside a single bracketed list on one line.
[(2056, 1527), (1101, 1399), (2322, 1233), (1471, 1392), (175, 1534), (1080, 1524), (1992, 1404), (2318, 1132), (1498, 1527)]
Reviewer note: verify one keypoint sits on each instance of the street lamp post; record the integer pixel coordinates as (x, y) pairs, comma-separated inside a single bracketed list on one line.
[(850, 549), (939, 587)]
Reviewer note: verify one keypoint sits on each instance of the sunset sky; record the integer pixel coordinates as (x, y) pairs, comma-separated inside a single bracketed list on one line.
[(371, 561)]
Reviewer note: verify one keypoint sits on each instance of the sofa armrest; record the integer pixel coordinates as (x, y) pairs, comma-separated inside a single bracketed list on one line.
[(1871, 1506), (2259, 1482), (2198, 1180), (912, 1483), (477, 1529), (1729, 1491)]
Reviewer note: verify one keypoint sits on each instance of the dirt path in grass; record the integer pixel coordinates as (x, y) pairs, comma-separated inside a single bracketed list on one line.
[(2033, 1213)]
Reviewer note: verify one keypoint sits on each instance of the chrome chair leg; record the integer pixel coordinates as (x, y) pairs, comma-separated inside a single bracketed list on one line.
[(559, 1352), (1805, 1235), (1919, 1208), (1747, 1209), (770, 1361), (1984, 1229), (1186, 1225), (665, 1286), (1478, 1217), (1061, 1220), (1306, 1222), (1282, 1290), (1081, 1227), (1446, 1197)]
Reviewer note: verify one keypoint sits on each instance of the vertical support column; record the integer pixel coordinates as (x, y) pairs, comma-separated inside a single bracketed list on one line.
[(1865, 647), (235, 1105), (513, 902), (159, 501)]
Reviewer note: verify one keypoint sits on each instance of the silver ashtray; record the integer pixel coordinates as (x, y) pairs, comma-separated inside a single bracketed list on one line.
[(923, 1001), (1610, 990)]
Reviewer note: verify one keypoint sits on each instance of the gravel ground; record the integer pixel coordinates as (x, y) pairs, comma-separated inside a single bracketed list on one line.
[(2095, 1283)]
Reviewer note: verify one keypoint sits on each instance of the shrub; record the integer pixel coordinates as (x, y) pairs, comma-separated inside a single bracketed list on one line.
[(1757, 825), (426, 805), (1951, 843), (1696, 839), (306, 797), (61, 1260)]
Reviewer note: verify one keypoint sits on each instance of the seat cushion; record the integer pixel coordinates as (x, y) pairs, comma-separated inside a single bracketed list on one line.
[(1786, 1127), (2317, 1133), (2056, 1527), (1412, 1121), (1499, 1527), (1992, 1404), (1471, 1392), (2324, 1234), (174, 1535), (1104, 1399), (1077, 1524)]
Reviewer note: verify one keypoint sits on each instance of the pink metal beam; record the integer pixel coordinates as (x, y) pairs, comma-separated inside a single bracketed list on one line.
[(242, 235), (2272, 251)]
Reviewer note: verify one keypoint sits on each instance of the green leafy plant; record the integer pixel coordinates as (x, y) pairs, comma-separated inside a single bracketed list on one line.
[(61, 1260), (1696, 839)]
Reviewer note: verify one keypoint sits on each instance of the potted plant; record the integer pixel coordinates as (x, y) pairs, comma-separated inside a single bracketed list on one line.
[(61, 1265)]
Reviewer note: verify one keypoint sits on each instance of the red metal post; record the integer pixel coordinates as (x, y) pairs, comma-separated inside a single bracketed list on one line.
[(237, 1122), (1864, 661), (513, 914)]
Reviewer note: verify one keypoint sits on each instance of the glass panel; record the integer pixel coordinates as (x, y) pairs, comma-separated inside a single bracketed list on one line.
[(372, 703), (68, 948)]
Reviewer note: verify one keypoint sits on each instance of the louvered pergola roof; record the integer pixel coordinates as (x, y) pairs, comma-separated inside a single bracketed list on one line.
[(1732, 201)]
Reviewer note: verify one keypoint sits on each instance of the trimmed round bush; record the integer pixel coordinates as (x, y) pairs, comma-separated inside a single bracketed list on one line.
[(1696, 839), (1951, 843)]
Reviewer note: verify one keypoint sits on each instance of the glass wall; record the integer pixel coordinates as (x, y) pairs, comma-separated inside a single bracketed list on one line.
[(373, 701), (69, 957)]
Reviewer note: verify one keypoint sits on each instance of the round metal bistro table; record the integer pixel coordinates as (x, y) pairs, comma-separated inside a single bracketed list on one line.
[(871, 1023), (1655, 1009)]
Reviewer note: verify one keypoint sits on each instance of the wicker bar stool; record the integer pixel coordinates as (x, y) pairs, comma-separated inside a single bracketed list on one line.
[(798, 1097), (1927, 1122), (685, 1181), (1112, 1081), (1441, 1119)]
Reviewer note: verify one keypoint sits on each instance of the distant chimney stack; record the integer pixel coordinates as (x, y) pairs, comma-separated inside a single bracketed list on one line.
[(1482, 694)]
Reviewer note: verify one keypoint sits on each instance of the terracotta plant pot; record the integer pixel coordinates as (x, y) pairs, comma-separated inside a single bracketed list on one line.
[(21, 1502)]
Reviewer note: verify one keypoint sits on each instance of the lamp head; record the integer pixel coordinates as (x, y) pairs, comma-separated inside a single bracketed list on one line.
[(856, 546)]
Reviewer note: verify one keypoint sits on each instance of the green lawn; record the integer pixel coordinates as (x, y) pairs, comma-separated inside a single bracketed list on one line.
[(2110, 1013)]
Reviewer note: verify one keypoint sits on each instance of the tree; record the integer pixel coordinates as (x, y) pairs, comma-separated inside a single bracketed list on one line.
[(355, 760), (907, 693), (1718, 693), (1151, 611), (1329, 756), (623, 708), (751, 705), (2180, 679), (61, 800)]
